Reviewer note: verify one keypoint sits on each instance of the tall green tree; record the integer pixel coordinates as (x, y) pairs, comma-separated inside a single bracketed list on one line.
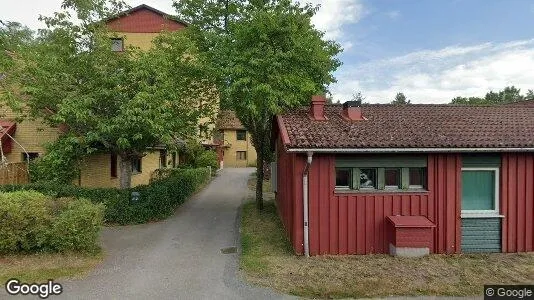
[(400, 99), (529, 95), (274, 60), (122, 103)]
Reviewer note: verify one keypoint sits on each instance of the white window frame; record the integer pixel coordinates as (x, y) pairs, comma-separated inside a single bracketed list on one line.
[(484, 213)]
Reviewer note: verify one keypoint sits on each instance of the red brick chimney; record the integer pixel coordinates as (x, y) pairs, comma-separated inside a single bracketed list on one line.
[(352, 111), (317, 107)]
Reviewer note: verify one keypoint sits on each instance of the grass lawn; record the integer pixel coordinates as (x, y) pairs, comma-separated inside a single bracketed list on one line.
[(41, 267), (268, 260)]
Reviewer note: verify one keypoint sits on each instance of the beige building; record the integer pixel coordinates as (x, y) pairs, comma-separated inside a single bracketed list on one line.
[(138, 27), (235, 143)]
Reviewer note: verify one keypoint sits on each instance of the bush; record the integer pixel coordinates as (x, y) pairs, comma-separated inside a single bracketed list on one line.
[(77, 227), (196, 156), (24, 220), (60, 163), (157, 200), (207, 159), (34, 222)]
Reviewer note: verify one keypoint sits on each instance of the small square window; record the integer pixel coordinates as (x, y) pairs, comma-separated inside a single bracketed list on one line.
[(417, 177), (392, 178), (241, 155), (136, 165), (117, 44), (29, 156), (368, 179), (343, 178), (241, 135)]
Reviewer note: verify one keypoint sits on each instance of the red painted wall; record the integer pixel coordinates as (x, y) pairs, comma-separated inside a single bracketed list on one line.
[(517, 202), (355, 223), (144, 21)]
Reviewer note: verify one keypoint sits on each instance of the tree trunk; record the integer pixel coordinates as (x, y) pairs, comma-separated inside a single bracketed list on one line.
[(259, 182), (126, 172)]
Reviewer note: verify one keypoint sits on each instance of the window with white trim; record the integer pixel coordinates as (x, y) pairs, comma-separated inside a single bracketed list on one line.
[(480, 191)]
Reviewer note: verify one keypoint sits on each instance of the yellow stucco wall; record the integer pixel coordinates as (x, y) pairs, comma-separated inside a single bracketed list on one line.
[(141, 40), (96, 171), (230, 153), (31, 134)]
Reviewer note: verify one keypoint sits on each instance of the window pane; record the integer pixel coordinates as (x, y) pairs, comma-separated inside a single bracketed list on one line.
[(241, 155), (136, 165), (392, 177), (241, 135), (478, 190), (417, 177), (367, 178), (117, 45), (343, 177)]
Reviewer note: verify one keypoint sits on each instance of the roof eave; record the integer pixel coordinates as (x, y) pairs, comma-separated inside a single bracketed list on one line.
[(407, 150), (150, 8)]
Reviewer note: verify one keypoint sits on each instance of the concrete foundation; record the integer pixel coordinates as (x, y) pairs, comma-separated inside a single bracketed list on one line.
[(408, 252)]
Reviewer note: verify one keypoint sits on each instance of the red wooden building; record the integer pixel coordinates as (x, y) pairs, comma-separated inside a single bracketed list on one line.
[(348, 175)]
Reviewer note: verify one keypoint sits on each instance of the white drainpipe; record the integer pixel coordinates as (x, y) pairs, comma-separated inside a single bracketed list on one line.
[(305, 183)]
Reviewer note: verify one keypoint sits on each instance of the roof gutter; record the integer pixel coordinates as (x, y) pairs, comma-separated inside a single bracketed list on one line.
[(405, 150)]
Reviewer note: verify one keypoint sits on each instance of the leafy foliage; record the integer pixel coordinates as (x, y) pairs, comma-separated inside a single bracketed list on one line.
[(195, 155), (358, 96), (121, 102), (400, 99), (13, 36), (208, 158), (270, 59), (61, 162), (157, 200), (508, 95), (34, 222)]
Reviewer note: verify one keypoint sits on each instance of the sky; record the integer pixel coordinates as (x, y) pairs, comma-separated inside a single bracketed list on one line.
[(432, 51)]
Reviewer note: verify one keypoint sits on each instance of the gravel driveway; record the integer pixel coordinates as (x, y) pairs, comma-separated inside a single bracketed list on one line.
[(179, 258)]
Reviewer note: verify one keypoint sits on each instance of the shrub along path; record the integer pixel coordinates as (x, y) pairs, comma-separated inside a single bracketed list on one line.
[(179, 258)]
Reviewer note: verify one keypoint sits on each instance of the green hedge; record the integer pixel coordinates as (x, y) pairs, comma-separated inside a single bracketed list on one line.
[(157, 200), (33, 222)]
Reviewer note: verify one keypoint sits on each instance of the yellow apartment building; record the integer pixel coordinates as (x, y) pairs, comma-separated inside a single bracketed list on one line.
[(138, 27)]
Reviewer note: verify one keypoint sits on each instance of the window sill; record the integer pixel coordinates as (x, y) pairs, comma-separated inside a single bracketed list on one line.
[(390, 191), (480, 215)]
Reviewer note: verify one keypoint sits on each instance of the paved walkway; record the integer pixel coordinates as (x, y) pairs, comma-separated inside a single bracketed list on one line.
[(179, 258)]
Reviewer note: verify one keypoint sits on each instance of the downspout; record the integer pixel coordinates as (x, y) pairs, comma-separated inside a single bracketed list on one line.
[(305, 191)]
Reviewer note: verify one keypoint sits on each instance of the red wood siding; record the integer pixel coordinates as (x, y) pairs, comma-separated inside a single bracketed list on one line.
[(517, 202), (289, 197), (144, 21), (445, 188), (355, 223), (411, 237)]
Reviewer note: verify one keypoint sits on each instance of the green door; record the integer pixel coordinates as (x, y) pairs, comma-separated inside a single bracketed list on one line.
[(481, 226)]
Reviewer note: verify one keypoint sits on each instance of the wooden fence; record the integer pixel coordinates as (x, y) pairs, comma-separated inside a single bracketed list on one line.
[(14, 173)]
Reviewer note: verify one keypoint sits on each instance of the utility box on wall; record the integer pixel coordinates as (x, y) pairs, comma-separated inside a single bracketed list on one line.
[(410, 236)]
